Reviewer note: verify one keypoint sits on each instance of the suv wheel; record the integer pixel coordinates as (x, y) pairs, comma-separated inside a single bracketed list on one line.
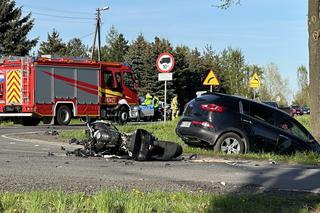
[(230, 143)]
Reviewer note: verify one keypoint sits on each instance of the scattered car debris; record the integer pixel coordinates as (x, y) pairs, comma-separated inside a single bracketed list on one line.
[(113, 157), (50, 154), (75, 141), (105, 139), (128, 163), (223, 183), (52, 132), (193, 157)]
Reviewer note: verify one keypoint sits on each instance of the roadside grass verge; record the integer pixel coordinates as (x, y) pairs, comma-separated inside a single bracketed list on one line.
[(137, 201), (6, 123), (166, 132), (304, 120)]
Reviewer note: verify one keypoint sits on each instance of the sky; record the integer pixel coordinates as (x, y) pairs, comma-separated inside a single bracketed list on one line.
[(266, 31)]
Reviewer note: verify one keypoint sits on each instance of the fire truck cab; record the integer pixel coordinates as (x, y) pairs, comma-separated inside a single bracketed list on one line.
[(56, 90)]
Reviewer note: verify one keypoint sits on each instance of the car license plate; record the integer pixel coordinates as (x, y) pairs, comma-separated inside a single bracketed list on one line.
[(185, 124)]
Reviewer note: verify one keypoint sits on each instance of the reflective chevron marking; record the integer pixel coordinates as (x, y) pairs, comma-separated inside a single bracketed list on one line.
[(13, 87)]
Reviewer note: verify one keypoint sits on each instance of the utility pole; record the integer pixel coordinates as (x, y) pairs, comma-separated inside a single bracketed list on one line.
[(97, 32)]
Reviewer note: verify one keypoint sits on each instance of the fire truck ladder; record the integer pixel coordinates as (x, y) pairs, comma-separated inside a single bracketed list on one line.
[(25, 71)]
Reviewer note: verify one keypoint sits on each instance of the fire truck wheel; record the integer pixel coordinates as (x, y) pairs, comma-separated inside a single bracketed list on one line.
[(27, 121), (123, 115), (64, 115)]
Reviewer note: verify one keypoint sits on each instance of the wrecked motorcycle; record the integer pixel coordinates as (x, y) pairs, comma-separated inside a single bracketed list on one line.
[(105, 139)]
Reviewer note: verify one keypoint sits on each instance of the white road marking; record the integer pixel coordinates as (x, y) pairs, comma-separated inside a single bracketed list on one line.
[(10, 136)]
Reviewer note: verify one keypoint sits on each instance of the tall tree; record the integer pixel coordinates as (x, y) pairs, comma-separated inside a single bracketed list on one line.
[(116, 46), (274, 86), (76, 48), (232, 64), (14, 30), (314, 64), (137, 58), (53, 46), (210, 58), (302, 96), (183, 78)]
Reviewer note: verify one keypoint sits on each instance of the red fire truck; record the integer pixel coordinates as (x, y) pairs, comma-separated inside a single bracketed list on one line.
[(60, 89)]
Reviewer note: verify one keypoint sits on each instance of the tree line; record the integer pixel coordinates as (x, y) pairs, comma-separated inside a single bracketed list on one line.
[(191, 65)]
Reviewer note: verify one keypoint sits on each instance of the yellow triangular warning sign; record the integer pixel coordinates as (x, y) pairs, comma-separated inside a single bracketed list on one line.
[(254, 81), (211, 79)]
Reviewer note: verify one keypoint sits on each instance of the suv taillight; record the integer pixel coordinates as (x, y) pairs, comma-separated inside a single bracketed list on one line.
[(202, 123), (212, 108)]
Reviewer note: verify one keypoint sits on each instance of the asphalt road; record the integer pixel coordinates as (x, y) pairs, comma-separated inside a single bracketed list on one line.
[(27, 164)]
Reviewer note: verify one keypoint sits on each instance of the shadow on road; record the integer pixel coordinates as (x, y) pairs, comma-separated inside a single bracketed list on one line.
[(292, 190)]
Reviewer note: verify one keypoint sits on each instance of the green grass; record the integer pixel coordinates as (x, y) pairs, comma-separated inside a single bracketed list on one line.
[(137, 201), (6, 123), (304, 120)]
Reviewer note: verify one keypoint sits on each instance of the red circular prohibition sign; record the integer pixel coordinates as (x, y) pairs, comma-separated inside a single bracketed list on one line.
[(158, 61)]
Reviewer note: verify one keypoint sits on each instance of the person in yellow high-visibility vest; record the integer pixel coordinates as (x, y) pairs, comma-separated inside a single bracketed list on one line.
[(175, 107), (148, 100)]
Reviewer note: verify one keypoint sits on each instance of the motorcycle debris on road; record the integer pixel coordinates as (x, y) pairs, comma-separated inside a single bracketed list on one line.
[(104, 139)]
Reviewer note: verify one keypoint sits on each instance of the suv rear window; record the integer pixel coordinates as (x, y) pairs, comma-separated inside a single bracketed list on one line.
[(259, 112), (230, 104)]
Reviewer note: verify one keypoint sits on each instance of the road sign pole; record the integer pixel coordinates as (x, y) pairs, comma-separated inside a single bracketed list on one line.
[(210, 88), (254, 94), (165, 63), (165, 101)]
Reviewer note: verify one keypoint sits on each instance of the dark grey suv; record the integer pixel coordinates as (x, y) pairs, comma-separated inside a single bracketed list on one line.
[(234, 124)]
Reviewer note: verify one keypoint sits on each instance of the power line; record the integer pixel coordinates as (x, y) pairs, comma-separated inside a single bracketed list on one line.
[(56, 10), (58, 16), (64, 21), (87, 35)]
